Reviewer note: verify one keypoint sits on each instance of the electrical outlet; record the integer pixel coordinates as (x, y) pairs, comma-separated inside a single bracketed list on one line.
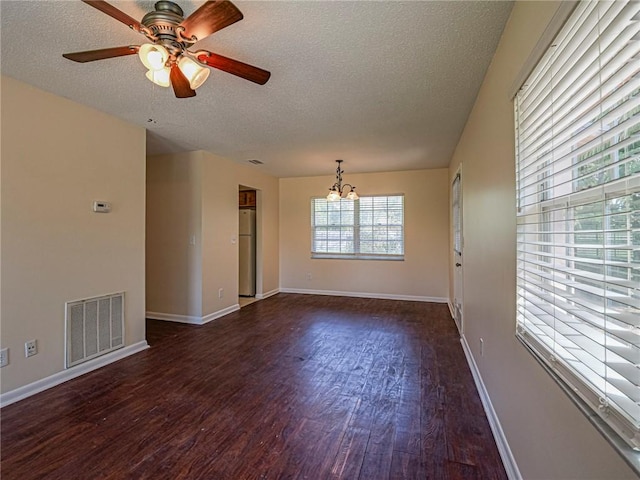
[(220, 292), (30, 348), (4, 357), (309, 276), (481, 347)]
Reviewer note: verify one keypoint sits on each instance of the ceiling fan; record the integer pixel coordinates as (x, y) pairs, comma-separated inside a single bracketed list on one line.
[(167, 56)]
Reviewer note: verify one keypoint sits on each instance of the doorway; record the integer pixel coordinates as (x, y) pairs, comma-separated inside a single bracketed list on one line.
[(248, 245), (456, 211)]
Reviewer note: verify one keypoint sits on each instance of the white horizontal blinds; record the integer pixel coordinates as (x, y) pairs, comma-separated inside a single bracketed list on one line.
[(578, 190), (333, 227), (381, 221), (584, 84), (371, 227)]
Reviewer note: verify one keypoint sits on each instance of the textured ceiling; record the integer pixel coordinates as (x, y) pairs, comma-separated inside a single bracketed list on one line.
[(382, 85)]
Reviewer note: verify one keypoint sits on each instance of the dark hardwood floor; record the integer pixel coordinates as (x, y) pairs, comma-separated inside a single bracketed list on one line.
[(294, 386)]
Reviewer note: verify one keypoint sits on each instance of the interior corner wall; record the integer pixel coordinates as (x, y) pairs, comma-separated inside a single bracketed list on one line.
[(55, 162), (221, 178), (423, 275), (174, 228), (192, 234), (547, 434)]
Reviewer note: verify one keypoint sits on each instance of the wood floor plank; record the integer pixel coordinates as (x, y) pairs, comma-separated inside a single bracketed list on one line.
[(461, 471), (432, 426), (404, 466), (463, 428), (294, 386), (350, 456), (379, 451), (407, 439)]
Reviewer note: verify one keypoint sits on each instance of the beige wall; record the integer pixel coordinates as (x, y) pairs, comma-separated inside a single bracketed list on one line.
[(196, 195), (174, 267), (424, 272), (221, 179), (57, 158), (548, 436)]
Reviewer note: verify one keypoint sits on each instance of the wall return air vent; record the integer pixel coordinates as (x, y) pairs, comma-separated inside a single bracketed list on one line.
[(93, 327)]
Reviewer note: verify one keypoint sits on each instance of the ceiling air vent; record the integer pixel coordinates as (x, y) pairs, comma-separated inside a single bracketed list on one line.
[(256, 162)]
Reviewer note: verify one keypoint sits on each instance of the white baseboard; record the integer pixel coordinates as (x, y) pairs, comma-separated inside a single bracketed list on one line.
[(451, 311), (262, 296), (172, 317), (192, 319), (220, 313), (510, 465), (382, 296), (60, 377)]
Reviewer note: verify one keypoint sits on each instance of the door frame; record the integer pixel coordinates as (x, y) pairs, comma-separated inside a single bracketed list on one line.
[(457, 251), (258, 233)]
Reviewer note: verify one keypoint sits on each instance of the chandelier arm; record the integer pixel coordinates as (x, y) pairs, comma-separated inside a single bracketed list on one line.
[(339, 188)]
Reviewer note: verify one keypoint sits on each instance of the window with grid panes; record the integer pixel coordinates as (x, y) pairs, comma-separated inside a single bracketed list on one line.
[(371, 227), (578, 221)]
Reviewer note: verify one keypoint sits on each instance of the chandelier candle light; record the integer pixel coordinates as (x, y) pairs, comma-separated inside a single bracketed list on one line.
[(337, 189)]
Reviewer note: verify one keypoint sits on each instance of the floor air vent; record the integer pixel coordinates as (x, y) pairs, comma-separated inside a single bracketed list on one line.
[(94, 326)]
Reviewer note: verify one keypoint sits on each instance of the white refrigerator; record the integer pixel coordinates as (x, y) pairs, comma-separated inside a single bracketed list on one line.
[(247, 253)]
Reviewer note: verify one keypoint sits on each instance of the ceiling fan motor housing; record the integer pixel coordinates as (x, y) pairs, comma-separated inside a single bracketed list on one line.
[(163, 22)]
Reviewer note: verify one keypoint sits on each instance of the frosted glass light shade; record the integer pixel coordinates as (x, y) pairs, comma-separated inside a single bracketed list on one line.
[(195, 73), (352, 195), (159, 77), (154, 57), (333, 196)]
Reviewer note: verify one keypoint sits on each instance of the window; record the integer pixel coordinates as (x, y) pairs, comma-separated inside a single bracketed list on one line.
[(578, 221), (368, 228), (456, 210)]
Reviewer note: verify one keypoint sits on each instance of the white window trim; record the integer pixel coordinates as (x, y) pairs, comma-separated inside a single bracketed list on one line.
[(563, 12), (356, 233), (608, 421)]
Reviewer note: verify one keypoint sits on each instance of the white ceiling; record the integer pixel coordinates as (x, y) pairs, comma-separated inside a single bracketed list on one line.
[(383, 85)]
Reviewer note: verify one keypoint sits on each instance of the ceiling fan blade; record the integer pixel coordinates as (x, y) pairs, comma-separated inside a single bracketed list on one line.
[(234, 67), (213, 15), (180, 83), (91, 55), (112, 11)]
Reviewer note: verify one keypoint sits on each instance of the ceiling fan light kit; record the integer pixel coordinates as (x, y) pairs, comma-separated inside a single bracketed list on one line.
[(167, 58), (195, 73), (338, 189), (159, 77), (154, 57)]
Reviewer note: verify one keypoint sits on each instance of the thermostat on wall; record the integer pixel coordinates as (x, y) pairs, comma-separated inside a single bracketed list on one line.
[(101, 207)]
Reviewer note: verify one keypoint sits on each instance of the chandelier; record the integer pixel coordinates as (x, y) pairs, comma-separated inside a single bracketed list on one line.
[(338, 189)]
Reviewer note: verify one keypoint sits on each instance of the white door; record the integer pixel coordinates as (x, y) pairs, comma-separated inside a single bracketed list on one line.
[(456, 207)]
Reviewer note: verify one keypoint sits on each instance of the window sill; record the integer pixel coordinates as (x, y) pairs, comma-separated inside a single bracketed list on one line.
[(629, 454), (333, 256)]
